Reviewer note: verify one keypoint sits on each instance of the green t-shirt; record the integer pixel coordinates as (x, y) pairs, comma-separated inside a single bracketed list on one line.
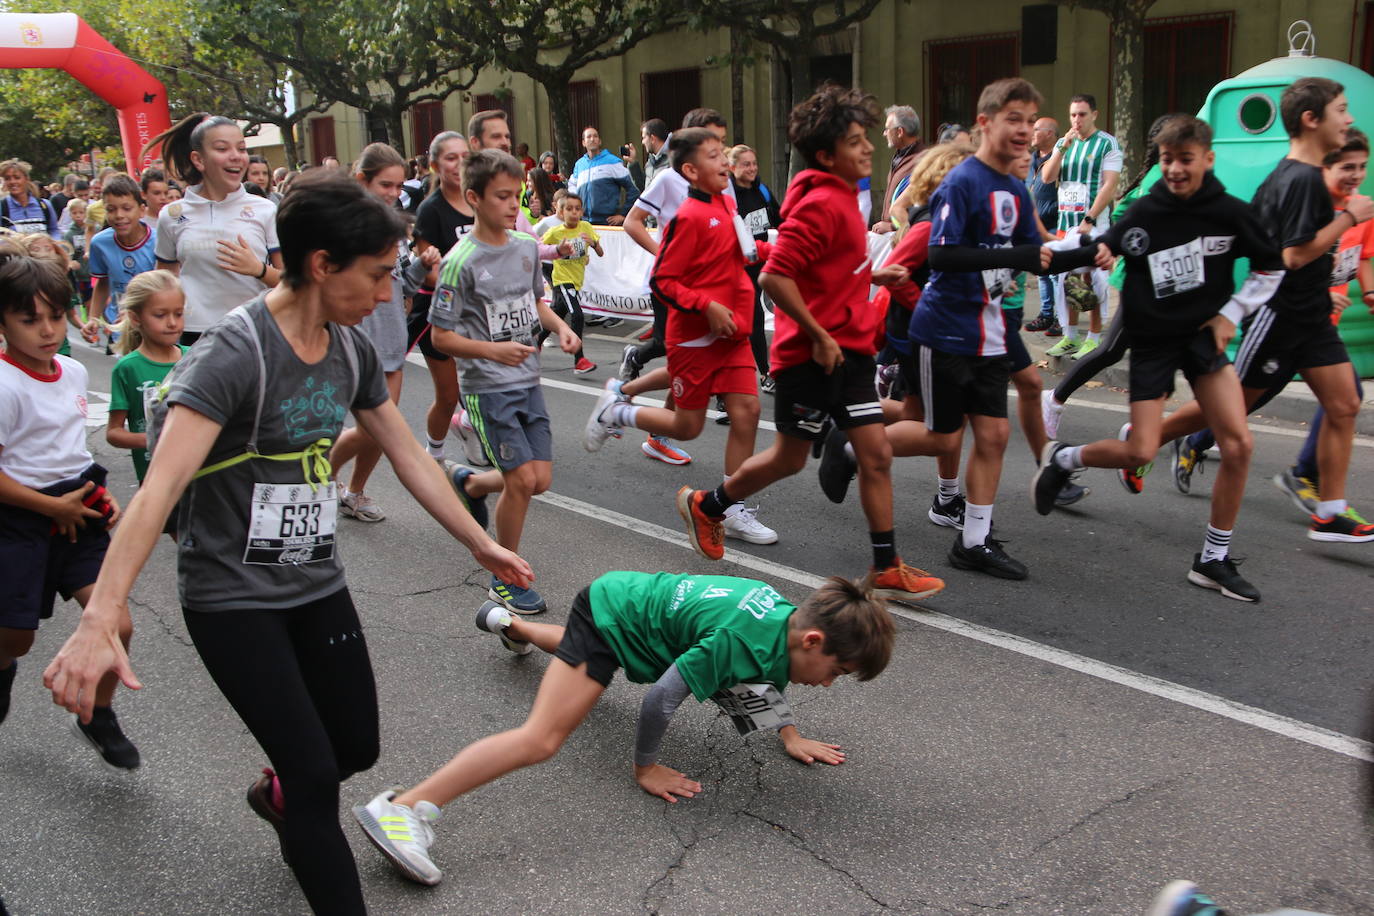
[(1118, 274), (134, 374), (721, 631)]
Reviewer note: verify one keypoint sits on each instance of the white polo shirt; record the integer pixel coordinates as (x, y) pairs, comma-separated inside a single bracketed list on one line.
[(189, 231), (43, 423)]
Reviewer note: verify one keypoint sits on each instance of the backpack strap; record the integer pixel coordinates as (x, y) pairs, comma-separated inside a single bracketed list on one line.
[(241, 313)]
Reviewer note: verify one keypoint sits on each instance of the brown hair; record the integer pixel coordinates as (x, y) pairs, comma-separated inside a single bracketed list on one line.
[(997, 95), (818, 124), (374, 158), (1355, 142), (478, 122), (857, 627), (176, 143), (1183, 129), (24, 282), (1311, 93), (122, 185), (485, 164)]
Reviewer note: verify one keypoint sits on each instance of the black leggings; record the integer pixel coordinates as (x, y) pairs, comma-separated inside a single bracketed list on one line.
[(758, 338), (654, 347), (567, 303), (301, 680), (1109, 353)]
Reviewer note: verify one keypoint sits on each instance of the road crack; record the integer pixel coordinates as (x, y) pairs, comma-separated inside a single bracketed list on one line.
[(1108, 806)]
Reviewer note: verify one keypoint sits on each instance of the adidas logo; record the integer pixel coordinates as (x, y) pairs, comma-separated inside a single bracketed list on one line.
[(484, 275)]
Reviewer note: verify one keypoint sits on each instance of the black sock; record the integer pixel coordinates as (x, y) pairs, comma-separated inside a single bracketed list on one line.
[(884, 548), (717, 501)]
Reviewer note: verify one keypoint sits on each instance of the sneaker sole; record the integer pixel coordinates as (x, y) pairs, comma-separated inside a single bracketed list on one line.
[(1297, 500), (1198, 578), (491, 593), (1166, 902), (86, 740), (1046, 456), (944, 521), (358, 516), (894, 594), (651, 452), (377, 836), (594, 435), (1328, 537), (959, 563), (584, 371), (751, 538), (683, 501)]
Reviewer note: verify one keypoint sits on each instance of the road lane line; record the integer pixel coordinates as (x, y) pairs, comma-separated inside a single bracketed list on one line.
[(1187, 696)]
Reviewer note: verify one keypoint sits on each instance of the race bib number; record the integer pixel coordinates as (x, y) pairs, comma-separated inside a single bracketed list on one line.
[(757, 221), (754, 707), (1177, 270), (1347, 264), (289, 524), (579, 248), (1073, 197), (512, 320), (996, 280)]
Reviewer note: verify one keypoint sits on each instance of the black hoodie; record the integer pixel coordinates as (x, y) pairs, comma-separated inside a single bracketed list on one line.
[(1180, 259)]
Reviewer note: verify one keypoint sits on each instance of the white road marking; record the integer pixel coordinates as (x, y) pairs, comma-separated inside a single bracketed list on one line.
[(97, 409), (1238, 712)]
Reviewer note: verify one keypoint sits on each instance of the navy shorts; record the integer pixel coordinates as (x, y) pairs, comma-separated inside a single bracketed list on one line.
[(1016, 347), (40, 565), (513, 426), (582, 642)]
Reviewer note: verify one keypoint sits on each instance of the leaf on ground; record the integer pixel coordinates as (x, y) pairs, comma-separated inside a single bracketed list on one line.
[(1094, 384)]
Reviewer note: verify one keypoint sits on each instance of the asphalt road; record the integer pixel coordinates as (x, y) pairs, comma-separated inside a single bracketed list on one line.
[(1065, 744)]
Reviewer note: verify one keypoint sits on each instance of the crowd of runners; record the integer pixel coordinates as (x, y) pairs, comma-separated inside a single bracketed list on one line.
[(251, 322)]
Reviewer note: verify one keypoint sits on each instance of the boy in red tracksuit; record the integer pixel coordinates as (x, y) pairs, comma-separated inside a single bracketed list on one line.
[(699, 273), (818, 275)]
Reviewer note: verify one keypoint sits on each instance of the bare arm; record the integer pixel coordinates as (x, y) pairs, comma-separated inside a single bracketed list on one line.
[(118, 436), (1103, 201), (635, 229), (1299, 256), (1049, 172)]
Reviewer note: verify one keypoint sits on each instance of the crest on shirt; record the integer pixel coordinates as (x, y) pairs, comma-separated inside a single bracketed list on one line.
[(247, 213), (129, 262), (81, 406), (1136, 241), (176, 211), (1004, 212), (443, 299)]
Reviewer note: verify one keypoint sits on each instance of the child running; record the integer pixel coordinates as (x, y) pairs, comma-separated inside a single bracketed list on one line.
[(570, 272), (120, 252), (818, 277), (700, 275), (54, 509), (686, 635), (1181, 308), (149, 338), (485, 313)]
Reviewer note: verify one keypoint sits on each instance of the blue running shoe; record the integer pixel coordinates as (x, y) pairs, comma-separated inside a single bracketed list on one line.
[(1182, 898), (476, 505), (516, 599)]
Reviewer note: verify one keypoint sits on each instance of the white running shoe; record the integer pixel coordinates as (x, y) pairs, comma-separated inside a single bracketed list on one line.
[(461, 427), (1050, 411), (494, 618), (742, 522), (599, 425), (402, 834), (359, 506)]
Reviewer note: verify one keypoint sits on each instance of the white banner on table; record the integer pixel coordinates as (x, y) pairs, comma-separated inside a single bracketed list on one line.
[(618, 282)]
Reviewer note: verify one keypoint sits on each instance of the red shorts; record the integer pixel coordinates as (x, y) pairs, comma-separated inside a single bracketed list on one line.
[(724, 367)]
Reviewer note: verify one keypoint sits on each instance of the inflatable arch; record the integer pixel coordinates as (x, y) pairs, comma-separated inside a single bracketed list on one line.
[(63, 41)]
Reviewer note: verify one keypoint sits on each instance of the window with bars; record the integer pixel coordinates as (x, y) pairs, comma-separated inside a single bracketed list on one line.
[(669, 94), (959, 69), (1185, 56), (426, 122), (492, 102)]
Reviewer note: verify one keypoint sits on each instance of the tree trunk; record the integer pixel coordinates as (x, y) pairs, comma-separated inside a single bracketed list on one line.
[(288, 142), (778, 94), (799, 60), (560, 111), (1128, 71), (737, 46), (395, 129)]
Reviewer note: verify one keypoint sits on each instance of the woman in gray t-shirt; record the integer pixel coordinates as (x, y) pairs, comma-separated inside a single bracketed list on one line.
[(262, 590)]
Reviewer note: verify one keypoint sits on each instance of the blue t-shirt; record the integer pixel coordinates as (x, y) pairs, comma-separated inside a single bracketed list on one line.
[(111, 261), (974, 207)]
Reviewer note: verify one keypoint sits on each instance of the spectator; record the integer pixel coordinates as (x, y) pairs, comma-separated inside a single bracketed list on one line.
[(954, 133), (522, 152), (155, 194), (654, 134), (21, 210), (64, 196), (539, 195), (415, 188), (330, 162), (1045, 194), (80, 191), (903, 133), (630, 157), (549, 163), (260, 174), (603, 182)]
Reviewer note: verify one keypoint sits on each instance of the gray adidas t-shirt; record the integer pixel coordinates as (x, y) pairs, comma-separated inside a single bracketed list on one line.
[(291, 557), (489, 292)]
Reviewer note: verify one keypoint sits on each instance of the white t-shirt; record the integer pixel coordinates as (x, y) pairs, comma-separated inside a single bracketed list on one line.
[(188, 232), (43, 423)]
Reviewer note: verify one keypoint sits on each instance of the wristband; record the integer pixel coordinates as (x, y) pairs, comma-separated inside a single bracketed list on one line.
[(1090, 220), (263, 275)]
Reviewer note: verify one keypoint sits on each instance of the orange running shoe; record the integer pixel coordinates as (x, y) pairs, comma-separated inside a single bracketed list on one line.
[(707, 533), (905, 583)]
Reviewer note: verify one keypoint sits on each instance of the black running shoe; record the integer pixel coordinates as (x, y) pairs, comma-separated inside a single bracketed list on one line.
[(458, 477), (6, 684), (724, 418), (629, 363), (1221, 575), (988, 557), (1070, 494), (1049, 479), (819, 442), (950, 514), (837, 468), (105, 735), (1040, 323)]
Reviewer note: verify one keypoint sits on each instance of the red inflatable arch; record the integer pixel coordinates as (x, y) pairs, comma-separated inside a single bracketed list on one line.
[(63, 41)]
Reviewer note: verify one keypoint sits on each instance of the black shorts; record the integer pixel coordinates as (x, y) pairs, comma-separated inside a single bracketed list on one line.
[(953, 386), (1016, 347), (1275, 347), (40, 565), (582, 642), (1155, 363), (418, 332), (805, 396)]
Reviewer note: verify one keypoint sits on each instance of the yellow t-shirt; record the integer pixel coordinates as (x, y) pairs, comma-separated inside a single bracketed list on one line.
[(571, 270)]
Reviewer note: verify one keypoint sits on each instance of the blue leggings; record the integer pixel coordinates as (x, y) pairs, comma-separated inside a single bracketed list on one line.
[(1306, 465)]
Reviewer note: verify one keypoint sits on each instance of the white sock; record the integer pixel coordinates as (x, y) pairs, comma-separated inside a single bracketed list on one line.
[(1095, 336), (435, 448), (1330, 508), (623, 413), (1071, 333), (1069, 458), (1216, 545), (977, 523), (949, 489)]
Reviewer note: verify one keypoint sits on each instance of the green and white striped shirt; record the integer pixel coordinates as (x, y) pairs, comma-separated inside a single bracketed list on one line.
[(1080, 177)]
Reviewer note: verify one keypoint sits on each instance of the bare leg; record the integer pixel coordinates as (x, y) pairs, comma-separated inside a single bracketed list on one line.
[(675, 423), (1334, 387), (743, 411), (874, 457), (445, 376), (1223, 406), (521, 484), (14, 643), (354, 442), (990, 435), (565, 697), (544, 636), (653, 380), (785, 457), (1140, 448), (1028, 387)]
